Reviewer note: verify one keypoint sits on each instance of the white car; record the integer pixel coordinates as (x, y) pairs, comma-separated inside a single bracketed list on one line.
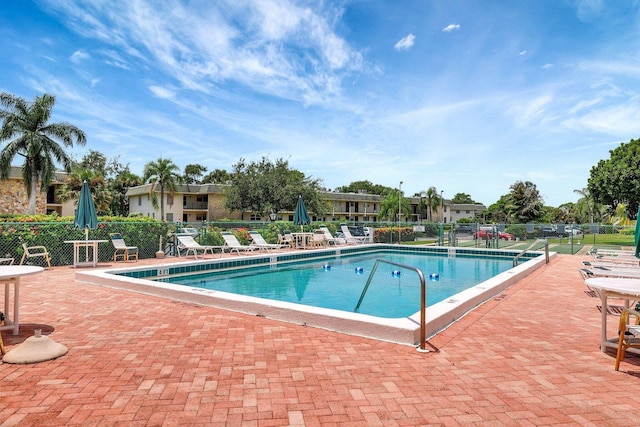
[(572, 230)]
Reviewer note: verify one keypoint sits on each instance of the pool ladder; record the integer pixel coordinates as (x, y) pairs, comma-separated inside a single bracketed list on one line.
[(423, 297), (546, 251)]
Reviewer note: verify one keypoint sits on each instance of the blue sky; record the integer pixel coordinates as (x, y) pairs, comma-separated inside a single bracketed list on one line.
[(466, 96)]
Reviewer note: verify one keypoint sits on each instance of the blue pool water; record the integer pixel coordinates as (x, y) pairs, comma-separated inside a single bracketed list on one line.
[(340, 286)]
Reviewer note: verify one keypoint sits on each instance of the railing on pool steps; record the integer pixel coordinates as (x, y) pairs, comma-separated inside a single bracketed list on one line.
[(423, 297), (546, 251)]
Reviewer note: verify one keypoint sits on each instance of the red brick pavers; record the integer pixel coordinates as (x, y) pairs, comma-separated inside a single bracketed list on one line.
[(530, 356)]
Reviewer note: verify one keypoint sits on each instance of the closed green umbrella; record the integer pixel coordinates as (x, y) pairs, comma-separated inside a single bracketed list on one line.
[(300, 216), (637, 234), (86, 217)]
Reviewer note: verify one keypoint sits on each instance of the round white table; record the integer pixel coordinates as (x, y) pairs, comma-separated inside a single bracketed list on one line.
[(10, 274), (613, 287)]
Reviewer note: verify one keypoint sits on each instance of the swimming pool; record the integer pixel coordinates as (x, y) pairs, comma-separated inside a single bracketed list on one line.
[(337, 283), (403, 329)]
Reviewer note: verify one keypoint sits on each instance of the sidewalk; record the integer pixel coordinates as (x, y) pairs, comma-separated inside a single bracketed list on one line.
[(530, 356)]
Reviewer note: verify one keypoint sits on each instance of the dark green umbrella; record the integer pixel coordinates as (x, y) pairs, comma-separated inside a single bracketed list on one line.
[(637, 234), (86, 217), (300, 216)]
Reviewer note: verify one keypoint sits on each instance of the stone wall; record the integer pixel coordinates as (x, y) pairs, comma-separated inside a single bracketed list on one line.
[(14, 200)]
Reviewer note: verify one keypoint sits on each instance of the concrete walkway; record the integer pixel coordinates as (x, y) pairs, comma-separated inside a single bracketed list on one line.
[(530, 356)]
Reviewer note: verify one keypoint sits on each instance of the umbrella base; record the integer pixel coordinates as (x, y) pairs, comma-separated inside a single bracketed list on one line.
[(35, 349)]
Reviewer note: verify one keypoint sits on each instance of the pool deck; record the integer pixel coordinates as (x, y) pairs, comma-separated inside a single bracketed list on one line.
[(530, 356)]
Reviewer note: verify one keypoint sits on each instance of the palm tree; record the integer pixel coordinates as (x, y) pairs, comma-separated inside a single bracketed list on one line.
[(25, 126), (588, 201), (432, 201), (389, 206), (102, 197), (165, 174)]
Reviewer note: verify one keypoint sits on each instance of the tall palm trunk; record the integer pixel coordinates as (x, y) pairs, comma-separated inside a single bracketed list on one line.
[(34, 190)]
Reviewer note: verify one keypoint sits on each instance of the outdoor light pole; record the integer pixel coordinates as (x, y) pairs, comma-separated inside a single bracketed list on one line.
[(399, 209), (273, 216), (442, 207)]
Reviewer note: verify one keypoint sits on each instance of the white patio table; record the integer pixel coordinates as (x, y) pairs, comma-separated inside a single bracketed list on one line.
[(613, 287), (91, 256), (10, 274)]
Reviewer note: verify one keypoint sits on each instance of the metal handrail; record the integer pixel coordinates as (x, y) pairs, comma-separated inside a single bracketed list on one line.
[(423, 297), (546, 251)]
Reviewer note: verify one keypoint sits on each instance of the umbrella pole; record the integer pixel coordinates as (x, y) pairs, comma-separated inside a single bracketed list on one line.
[(86, 247)]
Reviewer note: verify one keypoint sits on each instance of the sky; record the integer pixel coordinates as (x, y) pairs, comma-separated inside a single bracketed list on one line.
[(465, 96)]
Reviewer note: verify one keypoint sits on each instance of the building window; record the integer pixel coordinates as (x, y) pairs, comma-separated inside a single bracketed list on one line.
[(457, 212), (255, 217), (139, 201), (468, 212), (169, 217)]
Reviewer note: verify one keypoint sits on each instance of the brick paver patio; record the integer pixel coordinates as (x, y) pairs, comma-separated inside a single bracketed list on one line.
[(530, 356)]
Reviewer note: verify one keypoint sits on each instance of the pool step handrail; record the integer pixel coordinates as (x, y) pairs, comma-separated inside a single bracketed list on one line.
[(546, 251), (423, 297)]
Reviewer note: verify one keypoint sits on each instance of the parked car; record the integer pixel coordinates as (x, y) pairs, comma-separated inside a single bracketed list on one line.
[(463, 229), (188, 231), (573, 230), (485, 234)]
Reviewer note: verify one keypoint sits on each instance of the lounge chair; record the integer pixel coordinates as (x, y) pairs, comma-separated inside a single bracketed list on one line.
[(329, 237), (34, 252), (191, 246), (629, 335), (232, 244), (122, 251), (259, 242), (351, 238), (628, 272)]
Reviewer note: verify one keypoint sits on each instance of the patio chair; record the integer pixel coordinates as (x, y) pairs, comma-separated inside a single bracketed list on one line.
[(329, 237), (286, 239), (259, 241), (232, 244), (351, 238), (318, 240), (122, 251), (191, 246), (35, 252), (629, 335)]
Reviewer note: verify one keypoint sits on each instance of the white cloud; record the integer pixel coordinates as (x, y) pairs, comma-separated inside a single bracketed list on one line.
[(79, 56), (162, 92), (547, 66), (522, 53), (451, 27), (405, 43)]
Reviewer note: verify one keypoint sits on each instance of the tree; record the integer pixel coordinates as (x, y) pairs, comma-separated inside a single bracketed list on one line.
[(94, 161), (164, 174), (617, 180), (263, 187), (218, 176), (463, 199), (29, 134), (389, 206), (365, 186), (122, 181), (432, 201), (102, 197), (193, 174), (524, 203), (587, 203)]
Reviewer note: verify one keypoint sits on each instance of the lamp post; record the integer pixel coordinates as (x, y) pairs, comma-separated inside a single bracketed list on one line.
[(273, 216), (399, 209)]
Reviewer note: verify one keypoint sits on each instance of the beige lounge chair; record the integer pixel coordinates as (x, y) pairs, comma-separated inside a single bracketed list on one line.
[(329, 237), (191, 246), (232, 244), (259, 242), (35, 252), (122, 251), (351, 238)]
